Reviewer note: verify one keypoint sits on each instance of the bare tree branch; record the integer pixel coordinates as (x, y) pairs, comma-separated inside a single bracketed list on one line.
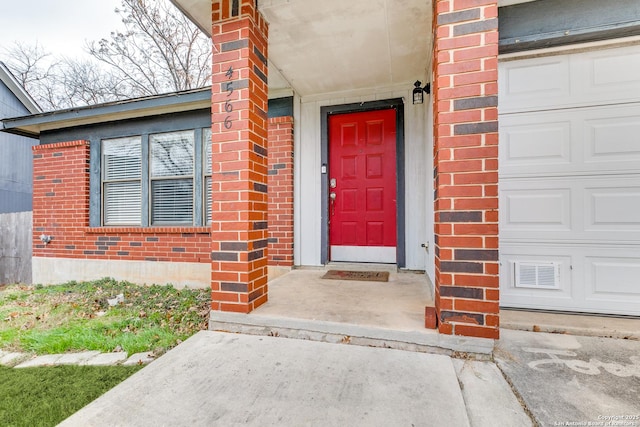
[(158, 51)]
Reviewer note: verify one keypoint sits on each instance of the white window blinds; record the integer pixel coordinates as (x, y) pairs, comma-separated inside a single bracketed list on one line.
[(172, 201), (122, 189), (171, 167), (206, 141)]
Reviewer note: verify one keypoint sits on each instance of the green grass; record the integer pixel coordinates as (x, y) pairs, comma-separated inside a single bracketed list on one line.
[(76, 316), (46, 396)]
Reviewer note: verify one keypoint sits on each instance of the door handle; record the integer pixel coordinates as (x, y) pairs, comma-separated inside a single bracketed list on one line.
[(332, 197)]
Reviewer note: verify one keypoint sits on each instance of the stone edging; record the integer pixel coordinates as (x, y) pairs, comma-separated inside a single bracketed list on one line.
[(85, 358)]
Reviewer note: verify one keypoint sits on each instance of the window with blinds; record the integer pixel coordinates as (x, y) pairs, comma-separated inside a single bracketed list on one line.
[(156, 179), (206, 141), (171, 174), (121, 184)]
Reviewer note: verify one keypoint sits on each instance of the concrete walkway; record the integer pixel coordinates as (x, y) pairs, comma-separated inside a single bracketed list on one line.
[(85, 358), (221, 379), (217, 378)]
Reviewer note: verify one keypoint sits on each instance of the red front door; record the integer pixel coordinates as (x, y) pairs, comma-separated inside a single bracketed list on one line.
[(362, 186)]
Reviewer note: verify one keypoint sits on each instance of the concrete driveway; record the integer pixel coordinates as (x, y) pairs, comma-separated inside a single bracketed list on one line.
[(567, 380)]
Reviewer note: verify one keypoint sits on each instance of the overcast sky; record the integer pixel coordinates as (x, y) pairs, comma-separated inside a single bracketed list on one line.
[(60, 26)]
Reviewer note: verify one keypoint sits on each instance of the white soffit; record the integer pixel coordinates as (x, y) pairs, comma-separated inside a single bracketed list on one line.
[(199, 11), (336, 45)]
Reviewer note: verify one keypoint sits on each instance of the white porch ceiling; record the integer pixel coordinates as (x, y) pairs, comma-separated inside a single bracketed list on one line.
[(327, 46), (330, 46), (336, 45)]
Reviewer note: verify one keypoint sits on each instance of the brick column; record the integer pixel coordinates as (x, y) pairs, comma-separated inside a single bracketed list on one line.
[(281, 191), (239, 154), (466, 166)]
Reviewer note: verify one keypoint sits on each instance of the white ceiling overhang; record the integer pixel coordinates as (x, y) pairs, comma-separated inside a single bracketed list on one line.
[(318, 47)]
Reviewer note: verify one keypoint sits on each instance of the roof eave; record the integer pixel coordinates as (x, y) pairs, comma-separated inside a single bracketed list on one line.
[(187, 10), (7, 77), (33, 125)]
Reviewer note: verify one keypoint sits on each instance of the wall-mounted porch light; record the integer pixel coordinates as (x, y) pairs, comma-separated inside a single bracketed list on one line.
[(418, 92)]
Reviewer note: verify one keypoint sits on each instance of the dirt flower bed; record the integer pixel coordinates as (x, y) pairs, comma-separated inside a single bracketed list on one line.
[(104, 315)]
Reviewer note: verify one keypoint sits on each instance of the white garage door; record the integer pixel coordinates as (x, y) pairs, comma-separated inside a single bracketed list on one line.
[(570, 181)]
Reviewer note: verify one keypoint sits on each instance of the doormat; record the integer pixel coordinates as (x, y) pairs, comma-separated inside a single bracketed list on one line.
[(365, 276)]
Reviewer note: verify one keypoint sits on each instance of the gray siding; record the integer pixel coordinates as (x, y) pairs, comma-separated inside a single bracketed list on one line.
[(16, 168)]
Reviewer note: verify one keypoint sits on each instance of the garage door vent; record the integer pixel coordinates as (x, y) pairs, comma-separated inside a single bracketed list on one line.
[(537, 275)]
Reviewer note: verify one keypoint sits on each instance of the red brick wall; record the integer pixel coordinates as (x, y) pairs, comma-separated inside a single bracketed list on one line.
[(466, 166), (61, 209), (281, 191)]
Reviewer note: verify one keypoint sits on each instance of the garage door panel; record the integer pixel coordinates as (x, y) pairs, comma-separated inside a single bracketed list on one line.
[(613, 277), (612, 283), (614, 209), (535, 144), (609, 75), (588, 281), (596, 77), (536, 210), (531, 296), (614, 139), (569, 142), (533, 82), (578, 209)]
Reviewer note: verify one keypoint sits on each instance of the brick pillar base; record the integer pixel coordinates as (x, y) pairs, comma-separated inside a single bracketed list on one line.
[(239, 157), (466, 166)]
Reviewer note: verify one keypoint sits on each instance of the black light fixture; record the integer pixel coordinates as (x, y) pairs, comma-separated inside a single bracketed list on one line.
[(418, 96)]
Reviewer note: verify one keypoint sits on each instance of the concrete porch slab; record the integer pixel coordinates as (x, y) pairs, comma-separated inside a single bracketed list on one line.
[(379, 314), (397, 304)]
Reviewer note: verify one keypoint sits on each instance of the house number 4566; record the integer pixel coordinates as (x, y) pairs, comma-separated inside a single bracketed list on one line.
[(228, 107)]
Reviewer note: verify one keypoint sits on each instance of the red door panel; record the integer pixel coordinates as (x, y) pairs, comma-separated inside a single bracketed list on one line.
[(362, 160)]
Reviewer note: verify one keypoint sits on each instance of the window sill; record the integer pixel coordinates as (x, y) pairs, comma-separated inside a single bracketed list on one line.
[(148, 230)]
